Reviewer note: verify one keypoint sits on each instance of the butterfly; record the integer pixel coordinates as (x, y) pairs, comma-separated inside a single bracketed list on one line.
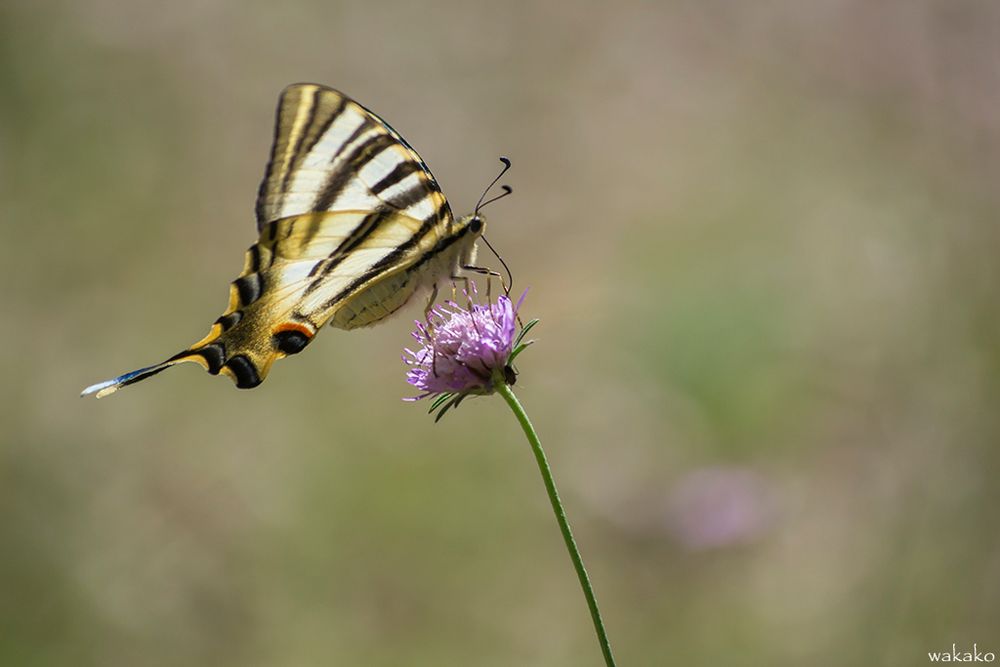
[(351, 225)]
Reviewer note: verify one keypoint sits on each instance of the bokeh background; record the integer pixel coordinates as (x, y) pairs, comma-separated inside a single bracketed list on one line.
[(762, 239)]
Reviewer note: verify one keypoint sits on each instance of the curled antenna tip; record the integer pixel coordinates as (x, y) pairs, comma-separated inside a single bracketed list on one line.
[(506, 188), (506, 191)]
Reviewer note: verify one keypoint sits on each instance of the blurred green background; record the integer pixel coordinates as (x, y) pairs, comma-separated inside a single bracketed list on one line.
[(762, 239)]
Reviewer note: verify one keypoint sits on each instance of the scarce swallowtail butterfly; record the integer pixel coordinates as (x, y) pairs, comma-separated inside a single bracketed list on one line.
[(352, 224)]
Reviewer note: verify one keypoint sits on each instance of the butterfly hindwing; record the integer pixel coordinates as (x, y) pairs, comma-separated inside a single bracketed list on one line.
[(295, 281)]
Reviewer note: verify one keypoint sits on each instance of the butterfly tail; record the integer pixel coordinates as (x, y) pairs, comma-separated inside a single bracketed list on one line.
[(102, 389), (246, 367)]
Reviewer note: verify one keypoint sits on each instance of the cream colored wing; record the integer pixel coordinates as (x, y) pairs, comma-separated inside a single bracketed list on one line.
[(346, 211), (332, 154)]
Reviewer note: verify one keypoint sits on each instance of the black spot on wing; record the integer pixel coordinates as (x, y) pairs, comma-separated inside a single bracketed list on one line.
[(245, 372), (249, 287), (227, 322), (254, 257), (291, 342), (214, 355)]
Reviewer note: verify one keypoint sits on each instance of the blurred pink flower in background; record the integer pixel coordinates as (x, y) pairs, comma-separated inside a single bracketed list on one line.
[(719, 506)]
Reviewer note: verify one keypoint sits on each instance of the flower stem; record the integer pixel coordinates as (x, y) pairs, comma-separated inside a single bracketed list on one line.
[(550, 486)]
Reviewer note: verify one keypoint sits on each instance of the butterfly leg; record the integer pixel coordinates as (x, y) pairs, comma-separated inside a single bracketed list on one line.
[(482, 270), (428, 310), (470, 292), (467, 289), (430, 303)]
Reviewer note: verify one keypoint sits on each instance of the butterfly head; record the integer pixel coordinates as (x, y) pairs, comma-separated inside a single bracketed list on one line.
[(474, 224)]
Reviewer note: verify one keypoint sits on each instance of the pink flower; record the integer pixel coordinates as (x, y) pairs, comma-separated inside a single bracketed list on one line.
[(462, 349)]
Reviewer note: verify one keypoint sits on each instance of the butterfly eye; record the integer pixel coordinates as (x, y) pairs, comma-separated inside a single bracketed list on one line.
[(476, 225)]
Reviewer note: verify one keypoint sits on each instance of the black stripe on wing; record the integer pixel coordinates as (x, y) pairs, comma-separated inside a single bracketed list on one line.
[(352, 163), (296, 139), (393, 258)]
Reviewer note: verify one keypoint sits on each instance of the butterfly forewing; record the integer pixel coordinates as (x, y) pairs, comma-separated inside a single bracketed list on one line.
[(331, 154)]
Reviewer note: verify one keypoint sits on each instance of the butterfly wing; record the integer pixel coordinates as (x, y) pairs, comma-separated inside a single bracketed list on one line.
[(345, 209), (330, 154)]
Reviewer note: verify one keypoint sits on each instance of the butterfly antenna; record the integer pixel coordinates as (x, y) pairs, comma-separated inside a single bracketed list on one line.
[(506, 188), (510, 276), (506, 191)]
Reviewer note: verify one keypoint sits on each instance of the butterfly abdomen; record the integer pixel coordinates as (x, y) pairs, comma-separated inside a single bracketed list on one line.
[(375, 303)]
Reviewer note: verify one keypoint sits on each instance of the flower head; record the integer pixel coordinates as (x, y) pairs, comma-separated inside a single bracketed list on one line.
[(464, 349)]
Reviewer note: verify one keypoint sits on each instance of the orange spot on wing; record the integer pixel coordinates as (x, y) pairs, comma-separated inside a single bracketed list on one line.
[(294, 326)]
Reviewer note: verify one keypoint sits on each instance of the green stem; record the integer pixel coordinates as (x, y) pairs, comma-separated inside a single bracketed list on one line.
[(550, 486)]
